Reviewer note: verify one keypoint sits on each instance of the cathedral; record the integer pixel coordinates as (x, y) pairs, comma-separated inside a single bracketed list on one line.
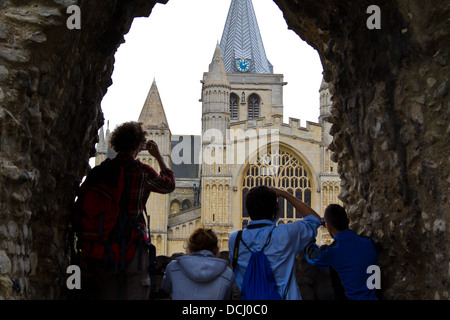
[(243, 143)]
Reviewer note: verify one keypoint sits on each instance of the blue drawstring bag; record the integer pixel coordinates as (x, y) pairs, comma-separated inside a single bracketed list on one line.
[(259, 282)]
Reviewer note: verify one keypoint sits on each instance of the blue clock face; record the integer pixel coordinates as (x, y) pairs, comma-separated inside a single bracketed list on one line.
[(243, 65)]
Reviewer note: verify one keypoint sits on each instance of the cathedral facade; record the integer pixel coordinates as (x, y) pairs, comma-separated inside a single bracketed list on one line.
[(243, 143)]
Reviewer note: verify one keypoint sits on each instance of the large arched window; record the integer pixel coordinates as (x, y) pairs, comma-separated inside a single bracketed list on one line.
[(234, 106), (253, 107), (281, 169)]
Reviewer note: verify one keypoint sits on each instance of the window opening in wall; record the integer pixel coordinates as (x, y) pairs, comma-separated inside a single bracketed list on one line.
[(185, 205), (148, 55), (233, 106), (253, 107)]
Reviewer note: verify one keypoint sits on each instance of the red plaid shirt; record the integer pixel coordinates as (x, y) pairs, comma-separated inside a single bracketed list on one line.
[(140, 180)]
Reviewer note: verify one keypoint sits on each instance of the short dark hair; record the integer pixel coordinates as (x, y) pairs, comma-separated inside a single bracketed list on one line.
[(261, 203), (127, 137), (336, 216)]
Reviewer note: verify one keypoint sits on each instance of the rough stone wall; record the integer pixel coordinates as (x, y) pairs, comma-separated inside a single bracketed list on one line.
[(52, 81), (391, 130)]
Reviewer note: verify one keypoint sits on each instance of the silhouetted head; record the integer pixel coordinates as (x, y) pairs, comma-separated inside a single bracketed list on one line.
[(336, 219), (262, 203), (128, 137)]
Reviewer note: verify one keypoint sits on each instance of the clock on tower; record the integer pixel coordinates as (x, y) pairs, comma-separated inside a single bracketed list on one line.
[(243, 65)]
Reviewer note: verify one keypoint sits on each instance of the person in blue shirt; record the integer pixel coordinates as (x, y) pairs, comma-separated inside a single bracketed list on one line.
[(287, 240), (347, 257)]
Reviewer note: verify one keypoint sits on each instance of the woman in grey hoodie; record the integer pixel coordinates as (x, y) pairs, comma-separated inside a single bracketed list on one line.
[(200, 275)]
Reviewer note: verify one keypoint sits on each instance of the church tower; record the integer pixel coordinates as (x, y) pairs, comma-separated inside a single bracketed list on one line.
[(154, 121), (239, 89), (215, 97), (216, 177)]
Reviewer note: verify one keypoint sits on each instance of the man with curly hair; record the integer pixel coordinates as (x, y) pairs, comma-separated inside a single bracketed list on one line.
[(128, 140)]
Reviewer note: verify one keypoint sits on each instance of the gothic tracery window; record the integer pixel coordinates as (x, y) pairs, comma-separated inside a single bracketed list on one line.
[(234, 106), (281, 169), (253, 107)]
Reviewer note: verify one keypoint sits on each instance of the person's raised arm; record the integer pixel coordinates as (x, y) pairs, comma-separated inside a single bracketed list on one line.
[(165, 181), (153, 149), (299, 205)]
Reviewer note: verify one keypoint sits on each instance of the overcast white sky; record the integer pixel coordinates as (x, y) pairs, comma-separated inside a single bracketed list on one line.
[(175, 45)]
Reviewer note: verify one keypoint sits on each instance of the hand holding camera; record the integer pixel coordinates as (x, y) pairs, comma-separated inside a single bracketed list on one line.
[(152, 147)]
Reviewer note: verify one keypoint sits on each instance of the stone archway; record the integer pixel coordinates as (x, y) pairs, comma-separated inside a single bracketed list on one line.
[(390, 128)]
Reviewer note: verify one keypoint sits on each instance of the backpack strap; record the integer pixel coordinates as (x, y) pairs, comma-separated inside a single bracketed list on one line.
[(268, 239), (239, 239), (236, 249)]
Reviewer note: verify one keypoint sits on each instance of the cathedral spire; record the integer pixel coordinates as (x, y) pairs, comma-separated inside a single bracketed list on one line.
[(152, 113), (241, 40)]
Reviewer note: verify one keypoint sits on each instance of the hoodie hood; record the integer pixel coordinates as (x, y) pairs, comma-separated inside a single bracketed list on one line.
[(202, 266)]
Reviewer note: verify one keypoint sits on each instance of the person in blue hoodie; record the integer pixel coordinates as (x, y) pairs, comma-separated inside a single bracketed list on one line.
[(200, 275)]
